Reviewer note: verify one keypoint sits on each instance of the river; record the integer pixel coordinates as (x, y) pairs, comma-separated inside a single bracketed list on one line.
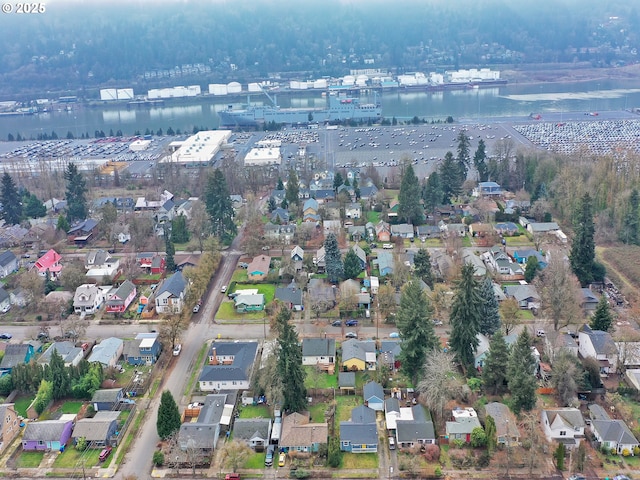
[(512, 100)]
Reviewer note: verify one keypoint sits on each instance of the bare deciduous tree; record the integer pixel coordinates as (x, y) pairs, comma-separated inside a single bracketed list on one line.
[(560, 292), (510, 315), (234, 453), (440, 381)]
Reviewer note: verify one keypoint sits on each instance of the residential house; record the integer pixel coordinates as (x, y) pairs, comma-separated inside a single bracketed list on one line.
[(158, 264), (353, 211), (278, 195), (119, 301), (107, 352), (253, 302), (348, 190), (383, 231), (297, 254), (279, 216), (10, 426), (331, 211), (632, 376), (360, 433), (453, 229), (143, 350), (47, 435), (83, 232), (89, 298), (280, 233), (507, 432), (8, 263), (107, 399), (170, 296), (188, 261), (505, 229), (389, 354), (357, 233), (368, 192), (542, 227), (394, 207), (229, 367), (414, 427), (513, 206), (628, 354), (462, 423), (98, 430), (258, 269), (331, 226), (71, 355), (202, 435), (347, 382), (373, 396), (385, 263), (321, 294), (318, 351), (5, 300), (599, 345), (498, 261), (557, 342), (589, 301), (16, 354), (527, 296), (310, 211), (255, 432), (358, 355), (522, 256), (362, 256), (425, 232), (370, 231), (101, 264), (324, 195), (49, 262), (482, 350), (487, 189), (320, 260), (291, 296), (402, 230), (480, 230), (470, 258), (300, 435), (611, 434), (564, 425)]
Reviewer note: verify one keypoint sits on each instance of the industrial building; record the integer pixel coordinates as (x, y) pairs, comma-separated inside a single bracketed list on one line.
[(266, 153), (198, 149)]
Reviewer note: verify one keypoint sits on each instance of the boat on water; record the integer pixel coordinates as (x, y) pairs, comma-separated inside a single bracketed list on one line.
[(338, 109)]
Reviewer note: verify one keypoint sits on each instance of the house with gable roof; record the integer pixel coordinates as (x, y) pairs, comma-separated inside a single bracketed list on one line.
[(229, 366), (522, 256), (414, 427), (382, 231), (599, 345), (358, 355), (202, 435), (89, 298), (462, 423), (258, 269), (373, 395), (71, 355), (83, 232), (611, 434), (526, 295), (589, 301), (362, 256), (300, 435), (47, 435), (507, 432), (16, 354), (385, 263), (291, 296), (119, 301), (100, 264), (143, 350), (498, 261), (9, 424), (97, 430), (297, 254), (255, 432), (564, 425), (360, 433), (107, 352), (353, 211), (249, 302), (49, 262), (170, 296), (8, 263), (318, 351)]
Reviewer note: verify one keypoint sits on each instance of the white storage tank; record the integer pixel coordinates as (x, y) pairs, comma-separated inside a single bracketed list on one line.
[(217, 89), (254, 87), (234, 87), (320, 83), (348, 80), (362, 80), (108, 94), (125, 94)]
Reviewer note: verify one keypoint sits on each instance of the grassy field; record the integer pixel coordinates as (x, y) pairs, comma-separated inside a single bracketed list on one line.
[(71, 457), (317, 412), (521, 241), (196, 370), (623, 266), (29, 459), (267, 289), (22, 403), (254, 411), (71, 407), (316, 379), (255, 461), (239, 276), (227, 312), (346, 403), (373, 217), (358, 461)]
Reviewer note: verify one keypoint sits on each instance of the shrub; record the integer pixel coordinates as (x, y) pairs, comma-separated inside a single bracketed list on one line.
[(458, 443), (300, 473), (636, 451), (626, 452), (483, 460), (81, 444), (432, 453), (438, 472), (158, 458), (478, 437)]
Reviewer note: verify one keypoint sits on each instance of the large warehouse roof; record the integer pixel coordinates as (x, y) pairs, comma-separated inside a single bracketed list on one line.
[(200, 148)]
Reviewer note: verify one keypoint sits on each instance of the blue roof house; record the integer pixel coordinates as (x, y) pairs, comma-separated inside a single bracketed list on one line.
[(385, 264), (373, 396), (360, 434)]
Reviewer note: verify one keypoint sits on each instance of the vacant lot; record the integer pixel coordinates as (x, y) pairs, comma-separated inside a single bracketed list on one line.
[(623, 267)]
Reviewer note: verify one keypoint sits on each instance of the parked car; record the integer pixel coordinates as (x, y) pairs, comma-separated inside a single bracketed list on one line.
[(243, 265), (268, 459), (43, 336), (177, 349), (351, 335), (5, 336), (232, 476), (196, 309), (223, 289), (437, 322), (282, 459), (105, 453), (336, 323), (394, 335), (351, 323), (577, 476), (540, 333)]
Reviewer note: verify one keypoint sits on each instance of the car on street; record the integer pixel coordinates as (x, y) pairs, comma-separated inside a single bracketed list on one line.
[(437, 322), (282, 459), (223, 289), (268, 459), (5, 336), (105, 453), (577, 476), (177, 349), (336, 323), (351, 335), (621, 477), (351, 323), (196, 309), (394, 335), (232, 476)]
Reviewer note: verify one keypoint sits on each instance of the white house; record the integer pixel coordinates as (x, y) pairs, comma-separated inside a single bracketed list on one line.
[(564, 425), (599, 345), (8, 263), (318, 351), (171, 294), (100, 264), (230, 366), (611, 434), (89, 298)]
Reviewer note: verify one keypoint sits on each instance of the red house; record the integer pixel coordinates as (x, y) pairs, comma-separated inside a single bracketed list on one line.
[(50, 262), (152, 262), (158, 264), (119, 301)]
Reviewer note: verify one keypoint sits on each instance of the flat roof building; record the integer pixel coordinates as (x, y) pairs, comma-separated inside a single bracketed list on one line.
[(199, 149)]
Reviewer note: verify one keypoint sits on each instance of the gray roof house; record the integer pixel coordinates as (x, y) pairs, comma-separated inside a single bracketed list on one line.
[(291, 296), (8, 263), (230, 366), (107, 352), (415, 431), (97, 430), (107, 398), (360, 433), (318, 351), (599, 345), (464, 420), (526, 295), (507, 432), (361, 255), (373, 394), (347, 381), (203, 434), (254, 431), (171, 294), (71, 355), (358, 355)]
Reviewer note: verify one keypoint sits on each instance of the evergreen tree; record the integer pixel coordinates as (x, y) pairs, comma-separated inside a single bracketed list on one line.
[(280, 185), (293, 188), (11, 206), (168, 416), (450, 178), (409, 207), (422, 264), (532, 268), (494, 373), (58, 376), (33, 207), (491, 432), (63, 224), (465, 317), (630, 229), (352, 266), (432, 194), (333, 259), (521, 373), (413, 319), (356, 189), (170, 249), (271, 204), (480, 162), (489, 309), (179, 232), (463, 153), (219, 207), (76, 195), (602, 318), (337, 180), (289, 364), (583, 248)]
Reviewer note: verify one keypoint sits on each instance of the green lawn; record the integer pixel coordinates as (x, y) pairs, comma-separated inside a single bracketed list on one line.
[(254, 411), (29, 459), (71, 407), (317, 412), (316, 379), (519, 241), (526, 315), (22, 403), (358, 461), (239, 275), (466, 241), (227, 312), (255, 461), (267, 289), (70, 458), (346, 403), (373, 217)]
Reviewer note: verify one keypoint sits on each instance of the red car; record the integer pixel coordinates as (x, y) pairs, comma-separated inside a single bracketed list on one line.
[(104, 454)]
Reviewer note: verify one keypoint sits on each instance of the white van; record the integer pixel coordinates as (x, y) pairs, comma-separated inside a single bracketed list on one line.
[(392, 443), (387, 246)]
